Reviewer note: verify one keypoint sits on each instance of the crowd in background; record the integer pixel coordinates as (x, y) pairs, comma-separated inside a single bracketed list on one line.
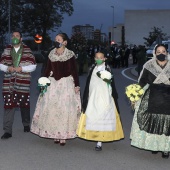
[(117, 56)]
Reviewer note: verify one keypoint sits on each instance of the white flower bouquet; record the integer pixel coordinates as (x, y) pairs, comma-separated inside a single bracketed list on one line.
[(105, 76), (43, 82), (134, 93)]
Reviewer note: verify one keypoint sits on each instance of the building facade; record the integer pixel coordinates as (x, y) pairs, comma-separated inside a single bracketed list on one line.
[(138, 24), (104, 37), (97, 35), (87, 30), (116, 33)]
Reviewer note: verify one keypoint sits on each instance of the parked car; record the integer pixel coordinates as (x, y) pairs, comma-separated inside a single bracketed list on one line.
[(149, 52)]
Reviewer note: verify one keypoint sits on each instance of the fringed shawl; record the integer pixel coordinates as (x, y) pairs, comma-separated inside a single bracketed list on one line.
[(162, 74)]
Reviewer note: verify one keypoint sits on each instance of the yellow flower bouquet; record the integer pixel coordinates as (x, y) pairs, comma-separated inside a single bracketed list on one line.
[(134, 92)]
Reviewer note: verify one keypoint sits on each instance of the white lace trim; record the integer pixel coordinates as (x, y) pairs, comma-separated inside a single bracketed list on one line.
[(162, 75), (66, 55)]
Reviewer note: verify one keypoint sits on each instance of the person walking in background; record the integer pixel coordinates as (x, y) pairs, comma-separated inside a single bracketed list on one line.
[(134, 53), (91, 54), (126, 56), (17, 61), (100, 120), (56, 113), (82, 59), (118, 56), (108, 54), (122, 57), (151, 122), (141, 58), (114, 49)]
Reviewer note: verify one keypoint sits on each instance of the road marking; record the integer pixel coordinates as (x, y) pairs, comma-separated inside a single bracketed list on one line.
[(123, 73)]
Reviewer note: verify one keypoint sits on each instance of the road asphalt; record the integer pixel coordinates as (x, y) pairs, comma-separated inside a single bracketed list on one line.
[(26, 151)]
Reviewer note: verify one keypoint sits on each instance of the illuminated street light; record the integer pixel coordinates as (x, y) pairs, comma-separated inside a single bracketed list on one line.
[(38, 39)]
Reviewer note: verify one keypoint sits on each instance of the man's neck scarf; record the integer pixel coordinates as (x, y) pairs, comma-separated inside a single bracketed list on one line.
[(16, 56)]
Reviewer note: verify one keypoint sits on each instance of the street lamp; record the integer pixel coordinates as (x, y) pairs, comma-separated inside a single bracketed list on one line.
[(112, 30)]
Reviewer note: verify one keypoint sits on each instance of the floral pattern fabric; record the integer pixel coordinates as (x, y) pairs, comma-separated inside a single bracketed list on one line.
[(57, 112)]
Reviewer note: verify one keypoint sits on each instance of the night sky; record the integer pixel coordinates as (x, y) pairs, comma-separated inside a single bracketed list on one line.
[(100, 12)]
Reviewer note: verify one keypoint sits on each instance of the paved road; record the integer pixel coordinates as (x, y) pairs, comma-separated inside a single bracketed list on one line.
[(26, 151)]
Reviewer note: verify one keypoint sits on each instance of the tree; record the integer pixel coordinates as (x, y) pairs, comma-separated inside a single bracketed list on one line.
[(40, 16), (15, 15), (3, 21), (3, 18), (153, 35), (35, 16), (78, 39)]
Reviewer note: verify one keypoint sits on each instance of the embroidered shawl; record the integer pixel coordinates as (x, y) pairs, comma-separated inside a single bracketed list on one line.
[(63, 65), (162, 74)]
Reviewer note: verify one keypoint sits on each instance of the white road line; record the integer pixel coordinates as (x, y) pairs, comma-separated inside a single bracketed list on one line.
[(123, 73)]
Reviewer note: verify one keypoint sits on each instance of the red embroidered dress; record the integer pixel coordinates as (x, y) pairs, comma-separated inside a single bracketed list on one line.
[(16, 86)]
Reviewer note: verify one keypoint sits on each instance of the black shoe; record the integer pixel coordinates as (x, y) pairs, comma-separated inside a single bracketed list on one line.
[(56, 141), (26, 129), (154, 152), (62, 144), (165, 155), (98, 148), (6, 136)]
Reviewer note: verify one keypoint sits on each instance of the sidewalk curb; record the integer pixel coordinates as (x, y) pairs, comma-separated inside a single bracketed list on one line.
[(134, 72)]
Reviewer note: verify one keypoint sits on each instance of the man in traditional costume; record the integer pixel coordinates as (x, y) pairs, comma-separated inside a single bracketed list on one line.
[(17, 61)]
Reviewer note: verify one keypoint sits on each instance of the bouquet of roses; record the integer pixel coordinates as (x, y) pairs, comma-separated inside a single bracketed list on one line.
[(43, 82), (105, 76), (134, 92)]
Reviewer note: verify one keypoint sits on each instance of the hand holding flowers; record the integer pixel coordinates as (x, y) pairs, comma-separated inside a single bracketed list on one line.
[(105, 76), (134, 92), (43, 82)]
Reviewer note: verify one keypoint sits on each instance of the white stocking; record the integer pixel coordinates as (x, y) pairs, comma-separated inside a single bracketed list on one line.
[(99, 144)]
